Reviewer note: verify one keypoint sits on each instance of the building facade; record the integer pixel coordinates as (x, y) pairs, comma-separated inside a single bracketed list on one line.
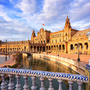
[(64, 41)]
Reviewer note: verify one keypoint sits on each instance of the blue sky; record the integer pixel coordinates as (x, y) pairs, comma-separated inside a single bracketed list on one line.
[(19, 17)]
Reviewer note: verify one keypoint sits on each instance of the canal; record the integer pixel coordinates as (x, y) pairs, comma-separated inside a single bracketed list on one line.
[(43, 64)]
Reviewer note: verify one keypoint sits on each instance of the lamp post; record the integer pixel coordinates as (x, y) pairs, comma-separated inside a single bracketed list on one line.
[(78, 54), (6, 52)]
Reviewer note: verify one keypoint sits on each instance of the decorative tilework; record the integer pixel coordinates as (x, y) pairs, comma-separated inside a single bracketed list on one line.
[(45, 74)]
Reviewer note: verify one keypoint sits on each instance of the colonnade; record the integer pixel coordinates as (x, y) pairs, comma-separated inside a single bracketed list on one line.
[(10, 49), (83, 48), (38, 48), (56, 48)]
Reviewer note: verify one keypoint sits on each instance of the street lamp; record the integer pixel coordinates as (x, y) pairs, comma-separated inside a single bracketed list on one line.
[(78, 54), (6, 52)]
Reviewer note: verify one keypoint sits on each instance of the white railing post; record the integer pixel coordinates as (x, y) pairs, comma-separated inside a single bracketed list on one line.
[(33, 83), (42, 83), (70, 85), (25, 87), (18, 85), (79, 85), (50, 84), (3, 84), (11, 84), (60, 84)]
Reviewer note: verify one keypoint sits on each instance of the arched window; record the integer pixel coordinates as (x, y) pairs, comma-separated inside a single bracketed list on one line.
[(56, 41), (66, 34)]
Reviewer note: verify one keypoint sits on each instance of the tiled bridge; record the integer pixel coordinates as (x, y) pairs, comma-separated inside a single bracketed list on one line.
[(42, 75)]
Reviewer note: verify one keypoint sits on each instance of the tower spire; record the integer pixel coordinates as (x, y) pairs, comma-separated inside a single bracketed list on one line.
[(33, 33), (67, 15), (67, 23)]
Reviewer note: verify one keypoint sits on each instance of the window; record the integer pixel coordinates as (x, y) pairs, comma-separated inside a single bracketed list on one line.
[(44, 41), (47, 41), (60, 40), (66, 34), (52, 41), (60, 35), (56, 41)]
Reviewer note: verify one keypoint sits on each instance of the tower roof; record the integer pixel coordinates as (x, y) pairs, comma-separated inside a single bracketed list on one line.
[(33, 33), (67, 23)]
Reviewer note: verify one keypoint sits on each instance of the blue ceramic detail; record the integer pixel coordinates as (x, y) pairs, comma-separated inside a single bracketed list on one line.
[(53, 75)]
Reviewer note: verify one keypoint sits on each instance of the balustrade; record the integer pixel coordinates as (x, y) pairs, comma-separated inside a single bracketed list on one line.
[(3, 84), (33, 83), (25, 87), (50, 84), (42, 83), (11, 84), (18, 85), (60, 84), (41, 74)]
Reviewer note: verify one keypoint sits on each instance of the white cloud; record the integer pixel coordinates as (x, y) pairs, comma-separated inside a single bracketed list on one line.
[(3, 14), (28, 14), (11, 1), (27, 6)]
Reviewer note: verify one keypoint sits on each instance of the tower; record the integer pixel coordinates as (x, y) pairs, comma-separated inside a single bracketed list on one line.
[(67, 30), (33, 35)]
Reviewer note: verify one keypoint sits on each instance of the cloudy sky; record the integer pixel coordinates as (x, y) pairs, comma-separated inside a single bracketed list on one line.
[(19, 17)]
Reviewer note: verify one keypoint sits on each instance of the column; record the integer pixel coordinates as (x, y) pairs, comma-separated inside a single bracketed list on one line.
[(60, 84), (79, 85), (39, 49), (33, 83), (70, 85), (25, 87), (30, 48), (61, 48), (42, 48), (33, 49), (3, 84), (73, 48), (51, 48), (18, 85), (83, 47), (58, 50), (36, 48), (11, 84), (42, 84), (45, 49), (50, 84)]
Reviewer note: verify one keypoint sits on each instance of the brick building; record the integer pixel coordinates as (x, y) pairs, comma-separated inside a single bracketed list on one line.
[(63, 41)]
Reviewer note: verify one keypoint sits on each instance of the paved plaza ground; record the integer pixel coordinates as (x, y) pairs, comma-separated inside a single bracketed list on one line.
[(83, 58), (10, 62)]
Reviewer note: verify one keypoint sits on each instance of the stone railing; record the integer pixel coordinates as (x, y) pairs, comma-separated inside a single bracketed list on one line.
[(42, 75)]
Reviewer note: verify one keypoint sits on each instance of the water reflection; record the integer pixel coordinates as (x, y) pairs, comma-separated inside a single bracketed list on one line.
[(45, 65)]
